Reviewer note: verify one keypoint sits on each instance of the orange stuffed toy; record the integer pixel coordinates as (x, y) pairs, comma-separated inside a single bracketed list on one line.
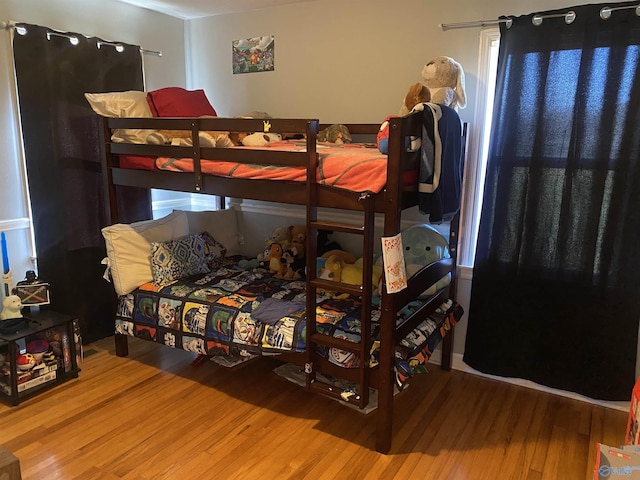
[(273, 256)]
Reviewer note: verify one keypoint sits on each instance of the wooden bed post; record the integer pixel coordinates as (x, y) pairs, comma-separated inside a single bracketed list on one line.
[(122, 345), (446, 361), (111, 209), (111, 200), (392, 217)]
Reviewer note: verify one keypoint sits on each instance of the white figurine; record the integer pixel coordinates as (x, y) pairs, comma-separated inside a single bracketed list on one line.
[(11, 306)]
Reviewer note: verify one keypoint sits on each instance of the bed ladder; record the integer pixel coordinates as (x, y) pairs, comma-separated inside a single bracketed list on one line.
[(317, 340)]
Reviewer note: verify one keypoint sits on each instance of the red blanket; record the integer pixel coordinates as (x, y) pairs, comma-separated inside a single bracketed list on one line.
[(354, 167)]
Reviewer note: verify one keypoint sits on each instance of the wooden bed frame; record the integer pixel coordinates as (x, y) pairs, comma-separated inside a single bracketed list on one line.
[(393, 199)]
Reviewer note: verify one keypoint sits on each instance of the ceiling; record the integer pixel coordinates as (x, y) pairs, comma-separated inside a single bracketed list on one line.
[(189, 9)]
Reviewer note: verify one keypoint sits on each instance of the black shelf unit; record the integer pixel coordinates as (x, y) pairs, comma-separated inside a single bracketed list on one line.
[(61, 331)]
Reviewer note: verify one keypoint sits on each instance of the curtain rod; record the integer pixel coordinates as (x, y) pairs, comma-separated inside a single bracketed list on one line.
[(477, 23), (4, 25), (569, 17)]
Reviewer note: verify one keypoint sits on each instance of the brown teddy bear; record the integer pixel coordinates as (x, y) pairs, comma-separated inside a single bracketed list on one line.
[(417, 93), (445, 79), (297, 236)]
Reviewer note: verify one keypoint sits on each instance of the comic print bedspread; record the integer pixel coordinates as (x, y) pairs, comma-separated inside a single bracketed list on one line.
[(242, 313)]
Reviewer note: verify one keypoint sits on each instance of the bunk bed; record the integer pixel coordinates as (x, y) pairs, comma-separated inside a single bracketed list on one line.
[(380, 324)]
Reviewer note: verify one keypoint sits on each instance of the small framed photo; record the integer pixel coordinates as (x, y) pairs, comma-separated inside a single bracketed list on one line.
[(33, 294), (256, 54)]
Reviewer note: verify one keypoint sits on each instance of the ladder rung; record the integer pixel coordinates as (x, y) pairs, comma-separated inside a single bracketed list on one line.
[(336, 286), (336, 393), (334, 342), (338, 227)]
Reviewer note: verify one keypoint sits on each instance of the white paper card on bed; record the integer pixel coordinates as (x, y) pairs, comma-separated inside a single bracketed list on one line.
[(395, 272), (129, 248)]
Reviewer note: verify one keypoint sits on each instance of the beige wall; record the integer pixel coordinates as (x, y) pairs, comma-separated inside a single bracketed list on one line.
[(340, 61)]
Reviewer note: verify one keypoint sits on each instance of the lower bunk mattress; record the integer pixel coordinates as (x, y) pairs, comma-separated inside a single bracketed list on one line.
[(233, 312)]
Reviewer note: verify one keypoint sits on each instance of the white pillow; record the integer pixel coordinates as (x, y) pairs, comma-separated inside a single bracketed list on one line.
[(221, 224), (129, 248), (130, 104)]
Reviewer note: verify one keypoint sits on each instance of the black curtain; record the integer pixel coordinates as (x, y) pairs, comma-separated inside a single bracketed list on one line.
[(62, 152), (556, 286)]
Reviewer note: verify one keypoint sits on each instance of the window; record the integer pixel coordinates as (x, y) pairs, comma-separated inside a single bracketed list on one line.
[(478, 145), (165, 201)]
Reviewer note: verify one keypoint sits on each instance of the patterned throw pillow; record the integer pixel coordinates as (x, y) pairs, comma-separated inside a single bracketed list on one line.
[(177, 259), (214, 251)]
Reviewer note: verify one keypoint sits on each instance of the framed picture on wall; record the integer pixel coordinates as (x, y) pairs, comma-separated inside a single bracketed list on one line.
[(254, 54)]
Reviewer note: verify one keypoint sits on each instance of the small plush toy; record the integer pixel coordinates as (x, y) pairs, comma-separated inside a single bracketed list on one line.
[(445, 79), (334, 134), (288, 260), (25, 362), (325, 244), (418, 93), (332, 268), (11, 306), (352, 273), (254, 139), (37, 347), (183, 138), (297, 241), (278, 235), (259, 139), (297, 237), (273, 256), (382, 139), (343, 255), (248, 263)]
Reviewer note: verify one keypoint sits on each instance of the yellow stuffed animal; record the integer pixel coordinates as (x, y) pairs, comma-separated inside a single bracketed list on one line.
[(352, 273)]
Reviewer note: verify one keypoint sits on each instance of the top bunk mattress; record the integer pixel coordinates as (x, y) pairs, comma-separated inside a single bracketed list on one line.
[(356, 167)]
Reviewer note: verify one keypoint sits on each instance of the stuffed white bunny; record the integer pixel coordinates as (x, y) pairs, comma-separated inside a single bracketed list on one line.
[(445, 79)]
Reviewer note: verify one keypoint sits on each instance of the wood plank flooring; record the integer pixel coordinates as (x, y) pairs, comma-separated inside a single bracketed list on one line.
[(153, 415)]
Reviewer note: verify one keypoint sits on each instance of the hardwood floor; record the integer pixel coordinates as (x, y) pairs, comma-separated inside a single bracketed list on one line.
[(153, 415)]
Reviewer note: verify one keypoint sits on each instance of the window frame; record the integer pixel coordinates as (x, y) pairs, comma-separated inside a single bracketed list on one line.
[(477, 146)]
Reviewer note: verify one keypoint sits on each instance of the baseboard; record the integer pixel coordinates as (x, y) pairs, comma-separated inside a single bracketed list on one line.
[(458, 364)]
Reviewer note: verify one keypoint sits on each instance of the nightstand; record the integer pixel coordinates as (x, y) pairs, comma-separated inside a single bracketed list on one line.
[(43, 370)]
